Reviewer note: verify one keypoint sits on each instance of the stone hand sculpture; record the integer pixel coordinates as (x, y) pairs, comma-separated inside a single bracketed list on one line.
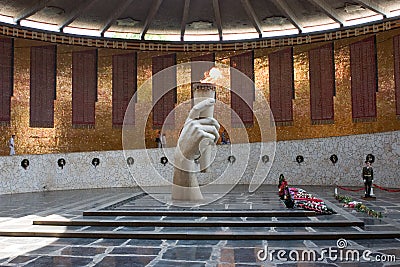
[(196, 132)]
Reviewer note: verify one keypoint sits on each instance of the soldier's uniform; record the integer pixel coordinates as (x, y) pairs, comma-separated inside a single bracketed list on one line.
[(368, 176)]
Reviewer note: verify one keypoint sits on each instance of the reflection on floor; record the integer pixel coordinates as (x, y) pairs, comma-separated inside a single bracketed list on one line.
[(126, 227)]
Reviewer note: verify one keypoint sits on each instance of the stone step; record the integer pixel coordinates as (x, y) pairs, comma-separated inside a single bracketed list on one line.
[(201, 235), (185, 223), (201, 213)]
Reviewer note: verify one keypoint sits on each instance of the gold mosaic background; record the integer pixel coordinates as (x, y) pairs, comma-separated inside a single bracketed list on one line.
[(63, 138)]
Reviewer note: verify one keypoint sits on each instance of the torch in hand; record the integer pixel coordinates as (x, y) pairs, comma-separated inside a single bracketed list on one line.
[(203, 90)]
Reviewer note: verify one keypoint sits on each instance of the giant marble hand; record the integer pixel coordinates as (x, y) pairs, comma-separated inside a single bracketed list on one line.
[(196, 134)]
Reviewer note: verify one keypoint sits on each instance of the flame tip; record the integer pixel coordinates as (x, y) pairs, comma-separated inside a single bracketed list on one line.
[(212, 75)]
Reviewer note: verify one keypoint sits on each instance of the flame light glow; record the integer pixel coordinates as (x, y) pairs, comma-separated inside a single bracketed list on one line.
[(212, 75)]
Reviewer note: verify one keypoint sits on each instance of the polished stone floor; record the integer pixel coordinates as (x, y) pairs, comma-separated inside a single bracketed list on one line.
[(19, 211)]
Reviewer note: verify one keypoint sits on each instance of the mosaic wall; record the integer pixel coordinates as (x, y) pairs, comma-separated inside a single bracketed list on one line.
[(63, 138)]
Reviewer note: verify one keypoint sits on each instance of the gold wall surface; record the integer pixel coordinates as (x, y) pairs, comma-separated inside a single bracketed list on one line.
[(63, 138)]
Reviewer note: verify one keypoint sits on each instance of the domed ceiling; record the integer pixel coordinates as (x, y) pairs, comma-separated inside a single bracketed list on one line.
[(194, 20)]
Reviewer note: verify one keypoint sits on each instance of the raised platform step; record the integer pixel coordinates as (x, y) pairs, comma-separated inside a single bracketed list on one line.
[(201, 213), (185, 223), (198, 235)]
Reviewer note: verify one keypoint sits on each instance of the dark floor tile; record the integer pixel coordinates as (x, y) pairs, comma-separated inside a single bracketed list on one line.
[(110, 242), (139, 218), (100, 228), (45, 250), (301, 218), (246, 265), (59, 261), (74, 241), (382, 203), (213, 219), (274, 244), (379, 243), (133, 229), (97, 218), (165, 263), (179, 218), (291, 229), (77, 228), (330, 217), (379, 228), (197, 242), (215, 207), (360, 264), (144, 242), (238, 206), (135, 251), (306, 264), (246, 255), (249, 229), (244, 243), (374, 221), (22, 259), (335, 229), (207, 230), (188, 253), (393, 215), (358, 256), (82, 251), (391, 253), (125, 261), (328, 243), (268, 219)]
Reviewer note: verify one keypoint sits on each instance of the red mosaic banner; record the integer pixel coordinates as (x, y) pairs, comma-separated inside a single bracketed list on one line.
[(43, 77), (363, 79), (396, 52), (242, 90), (6, 79), (322, 84), (164, 90), (281, 85), (84, 88), (124, 87)]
